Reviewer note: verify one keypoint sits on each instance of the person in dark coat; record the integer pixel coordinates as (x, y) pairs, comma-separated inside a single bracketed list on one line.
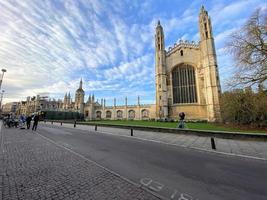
[(28, 122), (35, 122)]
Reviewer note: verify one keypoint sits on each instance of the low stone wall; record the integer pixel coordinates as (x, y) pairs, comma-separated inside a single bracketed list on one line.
[(202, 133)]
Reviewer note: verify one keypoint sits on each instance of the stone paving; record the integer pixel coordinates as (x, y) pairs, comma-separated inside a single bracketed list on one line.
[(31, 168), (255, 149)]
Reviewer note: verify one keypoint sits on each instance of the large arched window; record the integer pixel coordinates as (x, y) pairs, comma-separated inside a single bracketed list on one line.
[(98, 114), (145, 114), (131, 114), (119, 114), (108, 114), (184, 84)]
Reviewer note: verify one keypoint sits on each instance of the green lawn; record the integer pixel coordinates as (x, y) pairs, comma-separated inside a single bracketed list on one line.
[(190, 125)]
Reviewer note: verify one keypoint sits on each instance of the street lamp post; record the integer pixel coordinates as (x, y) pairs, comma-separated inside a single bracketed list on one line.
[(2, 94), (3, 70)]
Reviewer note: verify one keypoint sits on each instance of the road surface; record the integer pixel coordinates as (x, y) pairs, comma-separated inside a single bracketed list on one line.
[(171, 171)]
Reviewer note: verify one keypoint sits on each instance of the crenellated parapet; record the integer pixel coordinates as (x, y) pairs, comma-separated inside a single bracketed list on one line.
[(182, 44)]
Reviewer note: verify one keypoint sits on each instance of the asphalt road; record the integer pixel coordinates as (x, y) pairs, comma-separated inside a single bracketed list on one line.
[(171, 171)]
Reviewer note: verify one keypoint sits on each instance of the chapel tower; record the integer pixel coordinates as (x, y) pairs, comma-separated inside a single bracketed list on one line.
[(160, 62), (210, 69), (79, 98)]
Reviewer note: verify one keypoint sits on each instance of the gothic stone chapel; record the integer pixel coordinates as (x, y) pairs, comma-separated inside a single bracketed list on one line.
[(187, 78)]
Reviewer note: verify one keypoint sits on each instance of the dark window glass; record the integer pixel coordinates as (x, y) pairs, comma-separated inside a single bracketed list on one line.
[(184, 84)]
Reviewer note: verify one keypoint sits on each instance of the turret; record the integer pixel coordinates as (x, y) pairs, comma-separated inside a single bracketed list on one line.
[(65, 101), (81, 84), (205, 27), (93, 98), (89, 99), (126, 101), (79, 98), (161, 87), (209, 62), (69, 99)]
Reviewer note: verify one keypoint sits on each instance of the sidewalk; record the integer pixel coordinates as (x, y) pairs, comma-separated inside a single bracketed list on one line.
[(254, 149), (32, 167)]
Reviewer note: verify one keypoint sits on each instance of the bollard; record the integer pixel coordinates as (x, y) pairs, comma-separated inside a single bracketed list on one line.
[(44, 121), (131, 132), (74, 124), (51, 122), (213, 146), (61, 123), (95, 127)]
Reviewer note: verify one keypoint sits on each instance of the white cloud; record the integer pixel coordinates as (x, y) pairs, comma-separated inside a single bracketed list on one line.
[(48, 46)]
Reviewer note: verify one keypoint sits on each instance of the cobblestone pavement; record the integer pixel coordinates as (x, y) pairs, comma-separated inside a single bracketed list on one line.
[(256, 149), (33, 168)]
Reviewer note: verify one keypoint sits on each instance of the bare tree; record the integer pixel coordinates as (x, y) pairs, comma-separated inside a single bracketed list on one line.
[(249, 47)]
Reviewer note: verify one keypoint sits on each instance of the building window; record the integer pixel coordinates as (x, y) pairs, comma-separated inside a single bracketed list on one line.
[(131, 114), (184, 84), (159, 97), (119, 114), (108, 114), (145, 114), (98, 114), (181, 52)]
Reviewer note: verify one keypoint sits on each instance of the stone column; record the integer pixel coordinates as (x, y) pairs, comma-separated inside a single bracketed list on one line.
[(125, 109), (138, 114), (114, 116)]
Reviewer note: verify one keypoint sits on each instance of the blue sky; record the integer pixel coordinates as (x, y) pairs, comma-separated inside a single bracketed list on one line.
[(47, 46)]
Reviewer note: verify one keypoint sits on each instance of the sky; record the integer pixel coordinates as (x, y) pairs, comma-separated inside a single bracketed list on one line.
[(48, 46)]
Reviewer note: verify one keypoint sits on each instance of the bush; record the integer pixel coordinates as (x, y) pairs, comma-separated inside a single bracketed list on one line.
[(244, 107)]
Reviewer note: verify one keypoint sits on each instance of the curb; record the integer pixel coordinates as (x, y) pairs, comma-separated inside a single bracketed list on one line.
[(201, 133)]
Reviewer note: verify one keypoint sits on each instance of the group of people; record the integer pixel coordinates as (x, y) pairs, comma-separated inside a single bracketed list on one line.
[(28, 120), (10, 121)]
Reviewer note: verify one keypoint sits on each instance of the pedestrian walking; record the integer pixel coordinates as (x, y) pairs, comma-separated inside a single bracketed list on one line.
[(22, 121), (35, 122), (181, 122), (28, 121)]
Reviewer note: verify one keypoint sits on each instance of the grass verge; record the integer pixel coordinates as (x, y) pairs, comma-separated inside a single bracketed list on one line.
[(189, 125)]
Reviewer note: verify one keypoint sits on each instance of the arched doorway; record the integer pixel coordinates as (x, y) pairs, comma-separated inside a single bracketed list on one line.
[(98, 114)]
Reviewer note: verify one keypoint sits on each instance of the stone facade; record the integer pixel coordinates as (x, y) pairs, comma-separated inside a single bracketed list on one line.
[(95, 110), (37, 103), (9, 108), (187, 78)]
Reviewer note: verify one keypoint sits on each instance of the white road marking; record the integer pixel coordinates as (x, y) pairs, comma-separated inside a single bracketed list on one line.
[(145, 181), (157, 186), (185, 197), (173, 194)]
